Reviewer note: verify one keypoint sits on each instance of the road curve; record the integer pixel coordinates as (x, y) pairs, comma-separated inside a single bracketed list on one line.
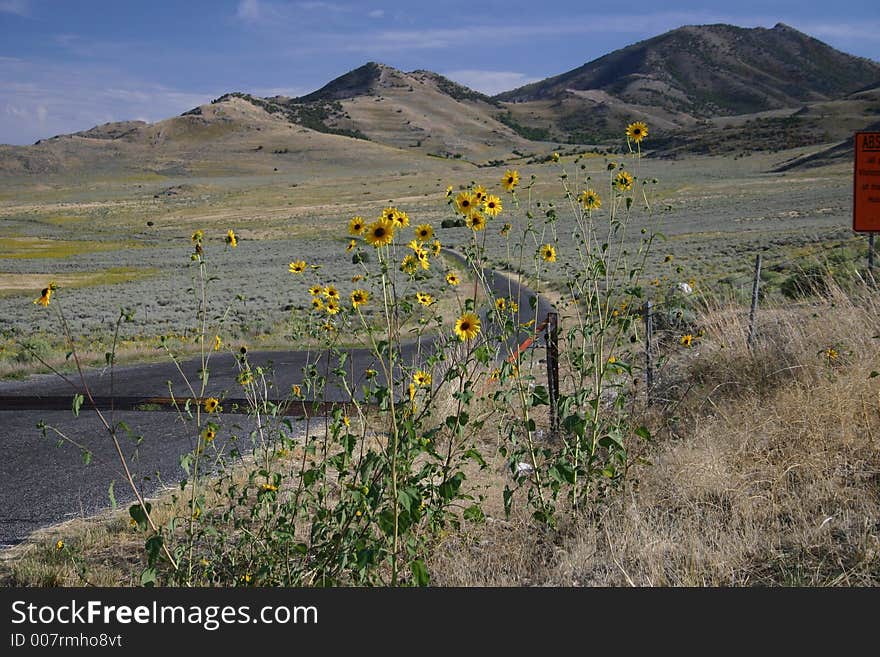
[(42, 483)]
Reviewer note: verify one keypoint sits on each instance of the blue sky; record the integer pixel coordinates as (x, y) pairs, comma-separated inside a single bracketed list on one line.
[(66, 65)]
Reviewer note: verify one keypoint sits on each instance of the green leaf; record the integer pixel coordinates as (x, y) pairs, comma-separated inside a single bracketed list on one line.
[(873, 374), (508, 499), (77, 404), (474, 513), (148, 577), (540, 396), (482, 355), (420, 573), (642, 432), (86, 457), (111, 495)]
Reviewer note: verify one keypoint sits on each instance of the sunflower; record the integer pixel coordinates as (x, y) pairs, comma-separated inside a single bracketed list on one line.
[(422, 257), (245, 377), (356, 226), (448, 191), (548, 253), (436, 247), (555, 156), (475, 221), (500, 303), (452, 278), (389, 213), (422, 378), (297, 266), (197, 236), (332, 306), (317, 304), (331, 292), (480, 193), (636, 131), (231, 239), (590, 200), (410, 264), (513, 306), (467, 326), (46, 295), (351, 245), (623, 181), (380, 232), (686, 340), (217, 343), (416, 246), (401, 219), (510, 179), (211, 404), (424, 298), (505, 229), (316, 290), (424, 232), (465, 202), (359, 298), (492, 205)]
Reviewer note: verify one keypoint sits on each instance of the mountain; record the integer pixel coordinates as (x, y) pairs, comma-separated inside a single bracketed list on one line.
[(417, 110), (690, 73)]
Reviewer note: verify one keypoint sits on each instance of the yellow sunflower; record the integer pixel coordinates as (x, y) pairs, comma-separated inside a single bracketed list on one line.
[(389, 214), (46, 295), (208, 434), (436, 247), (332, 306), (636, 131), (231, 239), (351, 245), (380, 232), (297, 266), (686, 340), (316, 290), (217, 343), (480, 193), (475, 221), (548, 253), (452, 278), (331, 292), (623, 181), (510, 179), (359, 298), (467, 326), (505, 229), (317, 304), (401, 219), (245, 377), (500, 303), (590, 200), (422, 378), (410, 264), (422, 257), (211, 404), (465, 203), (357, 226), (197, 236), (492, 205), (424, 298), (424, 232)]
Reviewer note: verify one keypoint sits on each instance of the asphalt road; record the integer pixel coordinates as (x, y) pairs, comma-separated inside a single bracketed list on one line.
[(42, 483)]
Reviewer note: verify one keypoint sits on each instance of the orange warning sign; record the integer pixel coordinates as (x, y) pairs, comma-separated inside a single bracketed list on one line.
[(866, 183)]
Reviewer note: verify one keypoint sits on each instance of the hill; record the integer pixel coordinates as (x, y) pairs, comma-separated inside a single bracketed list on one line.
[(691, 73)]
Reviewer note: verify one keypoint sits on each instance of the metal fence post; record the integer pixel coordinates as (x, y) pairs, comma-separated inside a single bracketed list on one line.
[(753, 313)]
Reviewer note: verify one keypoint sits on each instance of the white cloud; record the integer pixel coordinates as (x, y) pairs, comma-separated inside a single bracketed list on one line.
[(322, 6), (249, 10), (490, 82), (38, 101), (17, 7), (376, 13)]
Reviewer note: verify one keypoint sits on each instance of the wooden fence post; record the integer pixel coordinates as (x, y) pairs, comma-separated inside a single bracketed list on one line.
[(649, 359), (553, 369), (753, 313)]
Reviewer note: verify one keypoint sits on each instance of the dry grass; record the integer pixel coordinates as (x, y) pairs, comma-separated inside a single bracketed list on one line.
[(766, 471)]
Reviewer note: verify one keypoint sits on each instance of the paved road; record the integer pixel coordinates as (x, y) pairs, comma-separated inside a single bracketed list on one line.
[(42, 484)]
